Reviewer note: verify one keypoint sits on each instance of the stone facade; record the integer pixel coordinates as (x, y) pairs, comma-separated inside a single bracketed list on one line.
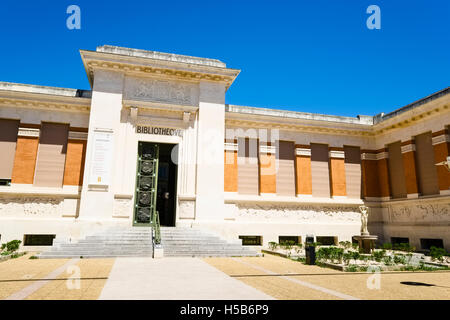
[(132, 88)]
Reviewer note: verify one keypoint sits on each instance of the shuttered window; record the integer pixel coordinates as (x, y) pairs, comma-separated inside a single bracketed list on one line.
[(248, 175), (396, 171), (353, 171), (8, 140), (285, 176), (320, 170), (51, 155), (426, 168)]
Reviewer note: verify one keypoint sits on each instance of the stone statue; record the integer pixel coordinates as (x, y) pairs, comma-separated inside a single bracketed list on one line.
[(364, 218)]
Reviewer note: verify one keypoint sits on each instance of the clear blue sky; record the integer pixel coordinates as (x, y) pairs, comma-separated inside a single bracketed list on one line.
[(312, 56)]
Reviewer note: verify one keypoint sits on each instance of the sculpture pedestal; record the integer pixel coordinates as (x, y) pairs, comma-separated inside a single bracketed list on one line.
[(158, 252), (366, 242)]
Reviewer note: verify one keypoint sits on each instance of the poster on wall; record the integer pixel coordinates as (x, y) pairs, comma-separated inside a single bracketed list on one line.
[(101, 158)]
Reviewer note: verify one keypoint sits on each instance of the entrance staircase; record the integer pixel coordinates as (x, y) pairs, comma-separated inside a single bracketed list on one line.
[(133, 242), (137, 242), (187, 242)]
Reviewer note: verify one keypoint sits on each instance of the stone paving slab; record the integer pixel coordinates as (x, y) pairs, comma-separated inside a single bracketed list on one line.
[(174, 278)]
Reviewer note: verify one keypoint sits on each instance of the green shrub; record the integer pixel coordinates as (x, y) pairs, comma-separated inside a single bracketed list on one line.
[(387, 260), (403, 247), (345, 244), (34, 257), (363, 268), (338, 253), (298, 248), (273, 245), (355, 246), (437, 253), (287, 245), (355, 255), (387, 246), (379, 255), (3, 246), (13, 245), (347, 257), (352, 268), (323, 253), (399, 259), (330, 253)]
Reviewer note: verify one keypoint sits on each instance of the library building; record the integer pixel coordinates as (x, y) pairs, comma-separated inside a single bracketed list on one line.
[(153, 152)]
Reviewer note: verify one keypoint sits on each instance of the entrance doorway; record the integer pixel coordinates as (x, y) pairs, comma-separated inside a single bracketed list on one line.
[(167, 180), (155, 184)]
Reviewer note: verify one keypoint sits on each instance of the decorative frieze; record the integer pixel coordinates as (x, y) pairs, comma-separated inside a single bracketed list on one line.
[(419, 212), (168, 91), (304, 213), (39, 207)]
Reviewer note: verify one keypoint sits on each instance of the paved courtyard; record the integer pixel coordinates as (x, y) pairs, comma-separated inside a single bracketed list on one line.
[(268, 277)]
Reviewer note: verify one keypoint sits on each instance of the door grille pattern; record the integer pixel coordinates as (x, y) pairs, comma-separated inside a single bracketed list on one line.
[(146, 183)]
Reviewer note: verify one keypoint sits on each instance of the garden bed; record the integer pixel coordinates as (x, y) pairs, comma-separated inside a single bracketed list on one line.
[(9, 250), (346, 257), (12, 256)]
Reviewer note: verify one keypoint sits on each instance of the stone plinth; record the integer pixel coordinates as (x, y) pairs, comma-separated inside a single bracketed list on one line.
[(158, 252), (366, 242)]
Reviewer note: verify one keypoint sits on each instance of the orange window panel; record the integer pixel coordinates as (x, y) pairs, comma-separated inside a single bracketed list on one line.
[(303, 172), (25, 160), (231, 172), (338, 185), (75, 159), (267, 173)]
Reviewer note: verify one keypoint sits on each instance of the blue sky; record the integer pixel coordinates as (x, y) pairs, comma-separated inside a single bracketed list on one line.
[(312, 56)]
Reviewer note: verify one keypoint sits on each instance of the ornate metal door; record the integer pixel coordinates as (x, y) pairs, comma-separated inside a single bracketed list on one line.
[(146, 184)]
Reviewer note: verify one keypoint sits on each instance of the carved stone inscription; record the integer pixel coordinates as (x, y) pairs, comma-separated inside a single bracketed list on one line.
[(161, 91)]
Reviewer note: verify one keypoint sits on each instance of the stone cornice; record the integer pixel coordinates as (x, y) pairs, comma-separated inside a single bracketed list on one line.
[(162, 107), (142, 66), (413, 116), (316, 123), (300, 127), (44, 101)]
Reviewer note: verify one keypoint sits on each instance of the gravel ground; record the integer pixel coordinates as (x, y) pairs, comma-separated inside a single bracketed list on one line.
[(18, 274), (353, 284)]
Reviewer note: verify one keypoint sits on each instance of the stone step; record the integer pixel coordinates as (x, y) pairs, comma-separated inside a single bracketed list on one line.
[(92, 256), (207, 250), (209, 255), (185, 242), (130, 241), (94, 252)]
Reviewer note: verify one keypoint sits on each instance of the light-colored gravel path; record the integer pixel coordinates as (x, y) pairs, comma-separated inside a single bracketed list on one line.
[(174, 278)]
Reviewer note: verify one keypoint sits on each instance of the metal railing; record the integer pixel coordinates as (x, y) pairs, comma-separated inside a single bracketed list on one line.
[(157, 229)]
